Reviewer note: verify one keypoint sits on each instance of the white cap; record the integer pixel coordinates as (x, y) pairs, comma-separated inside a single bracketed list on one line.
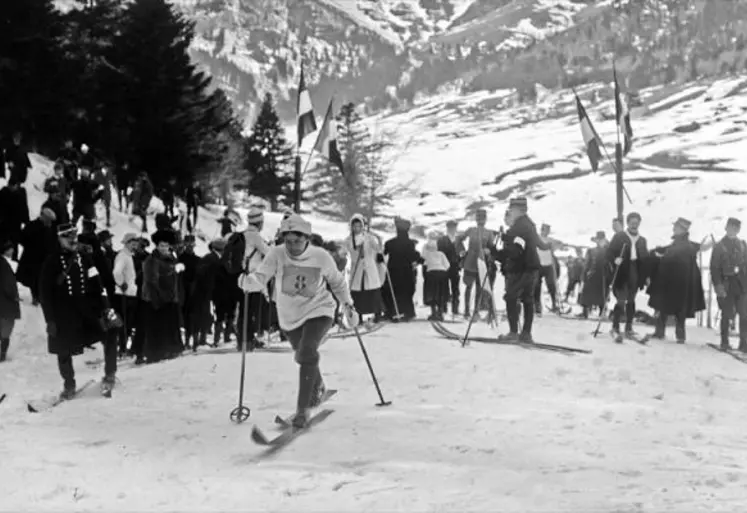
[(295, 223)]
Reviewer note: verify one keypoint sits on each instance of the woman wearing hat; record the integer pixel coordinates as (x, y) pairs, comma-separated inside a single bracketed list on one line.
[(308, 283), (163, 295), (365, 282), (596, 277)]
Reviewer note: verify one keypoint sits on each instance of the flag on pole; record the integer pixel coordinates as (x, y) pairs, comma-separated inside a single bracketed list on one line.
[(326, 141), (622, 116), (591, 139), (304, 111)]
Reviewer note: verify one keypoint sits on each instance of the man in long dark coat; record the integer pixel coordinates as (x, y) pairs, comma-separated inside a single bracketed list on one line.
[(71, 300), (676, 285), (596, 277), (14, 214), (191, 263), (18, 161), (204, 289), (39, 239), (403, 257), (453, 249)]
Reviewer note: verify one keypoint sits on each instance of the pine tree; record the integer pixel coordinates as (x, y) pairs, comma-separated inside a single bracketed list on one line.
[(269, 157), (34, 83), (158, 92)]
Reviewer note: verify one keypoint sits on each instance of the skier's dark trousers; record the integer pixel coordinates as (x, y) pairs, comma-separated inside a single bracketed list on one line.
[(729, 274), (520, 265)]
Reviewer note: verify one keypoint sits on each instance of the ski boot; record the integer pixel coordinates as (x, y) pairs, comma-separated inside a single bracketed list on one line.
[(526, 338), (511, 336), (107, 385), (616, 335), (68, 392), (316, 399)]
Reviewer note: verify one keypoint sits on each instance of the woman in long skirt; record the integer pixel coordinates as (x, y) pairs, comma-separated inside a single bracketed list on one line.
[(364, 250), (162, 296)]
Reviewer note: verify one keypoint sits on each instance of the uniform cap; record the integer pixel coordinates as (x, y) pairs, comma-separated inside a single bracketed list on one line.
[(519, 202), (733, 221), (683, 223)]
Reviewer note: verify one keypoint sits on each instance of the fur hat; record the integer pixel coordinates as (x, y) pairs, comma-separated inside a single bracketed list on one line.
[(167, 236), (296, 223), (401, 224)]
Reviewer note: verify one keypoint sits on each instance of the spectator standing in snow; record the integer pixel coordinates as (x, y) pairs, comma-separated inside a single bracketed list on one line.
[(141, 318), (401, 271), (70, 158), (206, 288), (39, 239), (14, 214), (454, 252), (142, 194), (190, 261), (85, 194), (168, 197), (18, 161), (163, 295), (125, 278), (436, 266), (72, 301), (365, 284), (123, 183), (104, 179), (10, 303), (227, 223), (193, 198), (105, 242)]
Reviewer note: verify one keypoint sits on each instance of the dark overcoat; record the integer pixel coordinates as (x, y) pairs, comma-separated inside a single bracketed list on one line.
[(676, 283), (70, 293)]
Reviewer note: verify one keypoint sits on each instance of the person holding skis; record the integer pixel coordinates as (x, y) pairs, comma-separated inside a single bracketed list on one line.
[(306, 307)]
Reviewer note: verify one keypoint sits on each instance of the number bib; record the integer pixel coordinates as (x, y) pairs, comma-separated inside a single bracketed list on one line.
[(300, 281)]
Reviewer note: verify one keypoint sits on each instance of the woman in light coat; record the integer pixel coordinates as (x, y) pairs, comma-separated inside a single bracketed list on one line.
[(365, 254)]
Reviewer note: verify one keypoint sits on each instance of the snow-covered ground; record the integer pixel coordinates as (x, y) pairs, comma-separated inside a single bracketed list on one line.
[(486, 428)]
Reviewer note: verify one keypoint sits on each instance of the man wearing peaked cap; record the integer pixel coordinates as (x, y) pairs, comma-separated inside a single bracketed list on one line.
[(676, 287), (308, 283), (520, 266), (243, 254), (729, 275)]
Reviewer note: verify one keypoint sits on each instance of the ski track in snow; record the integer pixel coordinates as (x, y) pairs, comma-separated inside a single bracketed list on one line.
[(485, 428)]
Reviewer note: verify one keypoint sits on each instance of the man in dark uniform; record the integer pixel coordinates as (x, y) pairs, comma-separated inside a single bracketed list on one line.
[(454, 251), (520, 266), (729, 275), (628, 251)]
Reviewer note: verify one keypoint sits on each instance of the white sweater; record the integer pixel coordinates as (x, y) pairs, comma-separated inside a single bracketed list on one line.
[(433, 259), (300, 284), (124, 272)]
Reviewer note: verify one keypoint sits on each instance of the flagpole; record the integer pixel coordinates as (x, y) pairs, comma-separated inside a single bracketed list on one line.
[(606, 153), (618, 152)]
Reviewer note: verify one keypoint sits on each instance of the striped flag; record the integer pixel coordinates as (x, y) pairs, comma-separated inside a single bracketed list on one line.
[(591, 139), (622, 116), (326, 141), (304, 111)]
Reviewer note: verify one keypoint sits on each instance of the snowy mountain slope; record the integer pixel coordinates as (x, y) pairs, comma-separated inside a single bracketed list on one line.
[(627, 428), (478, 150)]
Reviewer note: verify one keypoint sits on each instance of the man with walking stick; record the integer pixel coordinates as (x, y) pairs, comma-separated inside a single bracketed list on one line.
[(520, 265), (306, 307)]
